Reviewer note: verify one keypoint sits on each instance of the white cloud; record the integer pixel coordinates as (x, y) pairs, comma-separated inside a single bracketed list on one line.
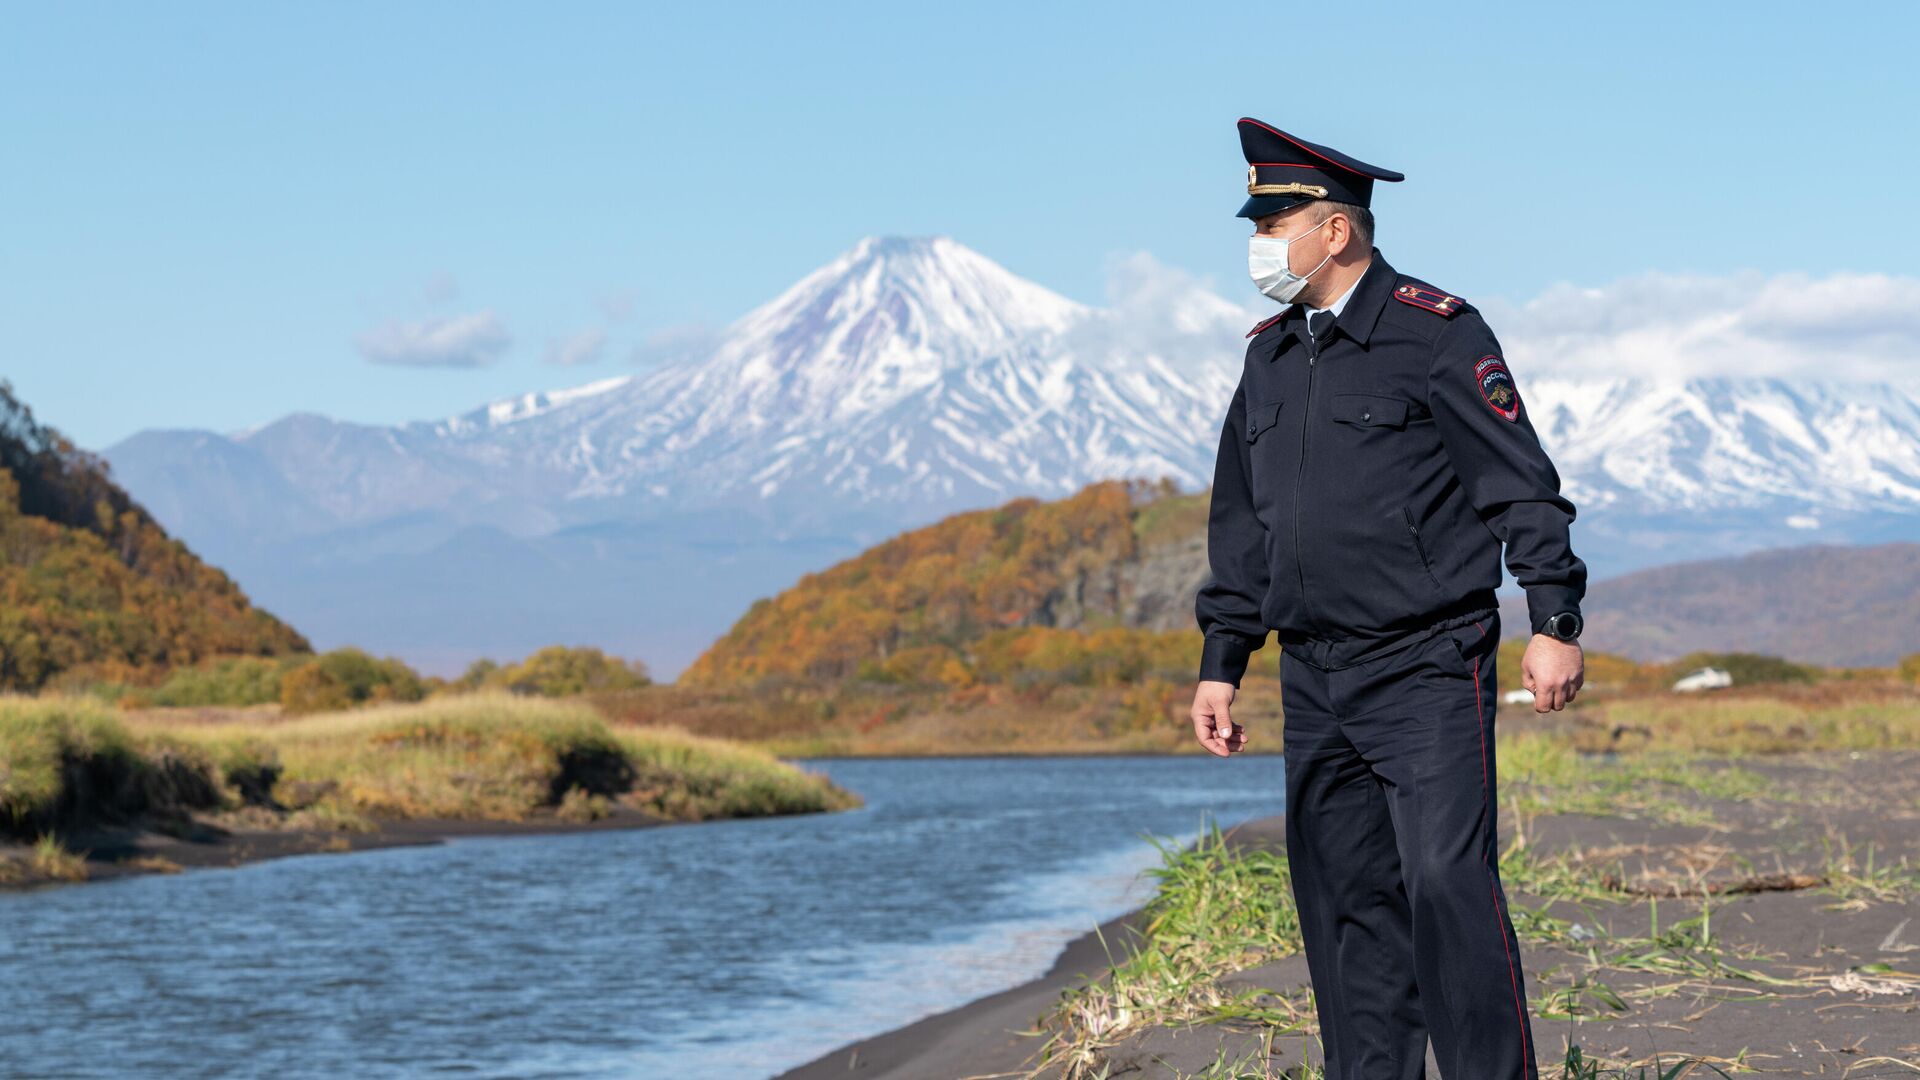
[(584, 347), (1162, 311), (458, 341), (1663, 327), (1846, 327)]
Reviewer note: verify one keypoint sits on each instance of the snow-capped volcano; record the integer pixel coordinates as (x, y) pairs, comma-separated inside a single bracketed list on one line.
[(913, 376), (906, 379), (880, 322), (908, 372)]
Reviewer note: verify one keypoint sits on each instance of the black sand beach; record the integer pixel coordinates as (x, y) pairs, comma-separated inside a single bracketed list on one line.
[(1759, 859)]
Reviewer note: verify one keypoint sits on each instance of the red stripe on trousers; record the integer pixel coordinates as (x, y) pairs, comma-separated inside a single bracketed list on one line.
[(1526, 1034)]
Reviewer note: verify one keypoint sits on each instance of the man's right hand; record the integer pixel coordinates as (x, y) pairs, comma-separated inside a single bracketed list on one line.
[(1213, 722)]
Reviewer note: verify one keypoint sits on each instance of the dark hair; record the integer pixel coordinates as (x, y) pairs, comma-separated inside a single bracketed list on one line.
[(1360, 217)]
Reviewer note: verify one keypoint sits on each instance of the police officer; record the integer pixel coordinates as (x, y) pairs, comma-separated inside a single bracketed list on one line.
[(1375, 459)]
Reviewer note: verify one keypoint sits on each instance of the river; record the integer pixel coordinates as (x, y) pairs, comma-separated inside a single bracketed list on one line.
[(720, 949)]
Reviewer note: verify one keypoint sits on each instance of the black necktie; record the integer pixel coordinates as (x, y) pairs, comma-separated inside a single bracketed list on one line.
[(1319, 323)]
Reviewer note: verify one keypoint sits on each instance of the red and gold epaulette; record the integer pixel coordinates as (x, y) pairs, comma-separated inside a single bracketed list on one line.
[(1431, 299), (1264, 323)]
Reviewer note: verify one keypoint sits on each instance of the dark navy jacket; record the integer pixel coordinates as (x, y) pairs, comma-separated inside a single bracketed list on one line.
[(1364, 488)]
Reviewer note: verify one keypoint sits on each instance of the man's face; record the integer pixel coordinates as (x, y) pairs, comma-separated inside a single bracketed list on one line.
[(1306, 251)]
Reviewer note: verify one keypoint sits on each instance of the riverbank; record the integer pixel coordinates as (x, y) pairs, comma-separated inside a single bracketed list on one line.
[(105, 854), (87, 793), (1758, 915)]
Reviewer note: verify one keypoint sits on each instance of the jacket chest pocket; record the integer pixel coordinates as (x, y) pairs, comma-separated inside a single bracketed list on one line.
[(1262, 417), (1368, 410)]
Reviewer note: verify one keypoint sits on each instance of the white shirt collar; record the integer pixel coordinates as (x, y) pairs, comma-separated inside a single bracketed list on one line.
[(1337, 304)]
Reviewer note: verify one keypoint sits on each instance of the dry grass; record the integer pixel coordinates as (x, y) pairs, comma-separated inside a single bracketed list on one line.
[(1786, 718), (859, 719), (71, 764), (50, 859), (495, 756), (50, 747)]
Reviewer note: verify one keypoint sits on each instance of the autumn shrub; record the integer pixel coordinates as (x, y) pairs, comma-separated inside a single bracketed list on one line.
[(345, 678), (229, 680), (1747, 669), (564, 671), (476, 675), (311, 689), (918, 665)]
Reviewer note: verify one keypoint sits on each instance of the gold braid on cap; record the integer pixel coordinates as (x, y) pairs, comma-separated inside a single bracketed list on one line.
[(1255, 187)]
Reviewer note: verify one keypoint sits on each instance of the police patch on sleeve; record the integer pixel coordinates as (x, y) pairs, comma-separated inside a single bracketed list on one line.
[(1496, 387)]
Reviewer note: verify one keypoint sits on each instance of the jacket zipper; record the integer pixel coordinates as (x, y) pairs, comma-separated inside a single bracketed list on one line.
[(1418, 548), (1306, 422)]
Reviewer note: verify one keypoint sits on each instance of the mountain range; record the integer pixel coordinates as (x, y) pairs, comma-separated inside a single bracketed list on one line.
[(906, 380)]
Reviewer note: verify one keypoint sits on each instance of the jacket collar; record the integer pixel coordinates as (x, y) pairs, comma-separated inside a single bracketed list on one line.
[(1357, 319)]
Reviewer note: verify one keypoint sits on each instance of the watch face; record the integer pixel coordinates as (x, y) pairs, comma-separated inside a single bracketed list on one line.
[(1565, 626)]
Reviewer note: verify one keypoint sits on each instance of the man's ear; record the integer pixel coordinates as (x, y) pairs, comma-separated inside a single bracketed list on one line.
[(1340, 235)]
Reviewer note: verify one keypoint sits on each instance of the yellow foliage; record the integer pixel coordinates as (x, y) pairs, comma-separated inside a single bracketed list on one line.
[(937, 588), (88, 579)]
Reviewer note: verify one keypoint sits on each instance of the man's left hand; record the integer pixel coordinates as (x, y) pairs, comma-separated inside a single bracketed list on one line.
[(1554, 670)]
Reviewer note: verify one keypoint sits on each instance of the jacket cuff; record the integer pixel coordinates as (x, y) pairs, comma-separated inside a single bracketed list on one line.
[(1224, 659), (1546, 601)]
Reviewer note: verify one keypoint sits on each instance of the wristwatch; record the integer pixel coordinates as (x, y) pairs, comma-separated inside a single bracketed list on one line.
[(1566, 626)]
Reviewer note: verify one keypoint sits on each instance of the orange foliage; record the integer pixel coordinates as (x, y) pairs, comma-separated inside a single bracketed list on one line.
[(917, 607), (88, 579)]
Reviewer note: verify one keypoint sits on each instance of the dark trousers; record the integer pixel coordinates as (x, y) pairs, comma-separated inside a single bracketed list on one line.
[(1391, 839)]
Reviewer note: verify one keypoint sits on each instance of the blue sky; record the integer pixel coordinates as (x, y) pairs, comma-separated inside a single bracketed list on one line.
[(216, 213)]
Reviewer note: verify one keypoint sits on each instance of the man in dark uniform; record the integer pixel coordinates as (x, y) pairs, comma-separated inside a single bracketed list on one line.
[(1376, 458)]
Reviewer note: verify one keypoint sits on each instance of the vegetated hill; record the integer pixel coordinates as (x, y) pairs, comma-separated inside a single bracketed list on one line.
[(1827, 604), (89, 580), (940, 603), (1130, 556)]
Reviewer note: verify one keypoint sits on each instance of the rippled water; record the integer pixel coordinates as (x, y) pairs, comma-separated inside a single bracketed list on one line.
[(721, 949)]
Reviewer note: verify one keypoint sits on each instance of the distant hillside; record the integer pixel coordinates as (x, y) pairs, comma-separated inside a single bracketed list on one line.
[(1131, 556), (1118, 555), (89, 580), (1825, 604)]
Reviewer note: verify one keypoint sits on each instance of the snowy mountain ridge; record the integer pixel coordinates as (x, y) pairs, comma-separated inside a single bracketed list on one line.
[(909, 379), (915, 376)]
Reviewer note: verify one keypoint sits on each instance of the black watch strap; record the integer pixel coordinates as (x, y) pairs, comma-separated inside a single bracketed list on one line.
[(1565, 625)]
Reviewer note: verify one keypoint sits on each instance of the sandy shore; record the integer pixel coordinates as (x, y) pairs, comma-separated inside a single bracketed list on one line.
[(1819, 1019)]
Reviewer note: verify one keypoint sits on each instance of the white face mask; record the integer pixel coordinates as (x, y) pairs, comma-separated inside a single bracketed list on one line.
[(1267, 265)]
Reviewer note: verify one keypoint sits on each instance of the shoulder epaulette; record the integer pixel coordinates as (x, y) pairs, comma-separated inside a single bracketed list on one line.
[(1429, 298), (1264, 323)]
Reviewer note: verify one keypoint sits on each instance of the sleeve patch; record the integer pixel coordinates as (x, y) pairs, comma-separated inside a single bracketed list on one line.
[(1264, 323), (1433, 300), (1496, 387)]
